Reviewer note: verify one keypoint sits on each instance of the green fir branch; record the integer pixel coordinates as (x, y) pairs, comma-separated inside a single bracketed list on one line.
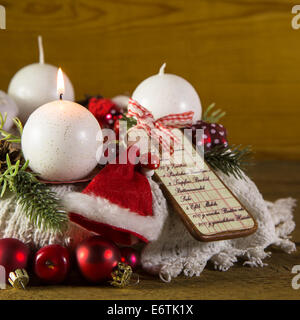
[(131, 122), (213, 117), (231, 160), (38, 202)]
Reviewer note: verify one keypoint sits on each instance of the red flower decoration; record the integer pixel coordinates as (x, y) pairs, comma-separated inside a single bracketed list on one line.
[(104, 110)]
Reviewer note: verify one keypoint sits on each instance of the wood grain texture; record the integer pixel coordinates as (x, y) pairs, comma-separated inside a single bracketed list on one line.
[(242, 54), (275, 180)]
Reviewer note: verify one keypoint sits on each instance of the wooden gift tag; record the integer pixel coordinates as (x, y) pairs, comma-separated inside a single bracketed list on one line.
[(207, 207)]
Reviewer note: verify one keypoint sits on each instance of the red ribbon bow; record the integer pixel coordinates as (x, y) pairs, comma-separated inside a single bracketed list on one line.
[(146, 121)]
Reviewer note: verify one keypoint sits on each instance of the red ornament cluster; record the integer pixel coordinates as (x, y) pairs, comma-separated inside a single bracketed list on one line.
[(131, 257), (105, 111), (214, 134), (96, 258)]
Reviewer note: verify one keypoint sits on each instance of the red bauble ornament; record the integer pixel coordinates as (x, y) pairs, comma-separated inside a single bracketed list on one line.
[(150, 161), (13, 254), (131, 257), (97, 258), (52, 264), (214, 134)]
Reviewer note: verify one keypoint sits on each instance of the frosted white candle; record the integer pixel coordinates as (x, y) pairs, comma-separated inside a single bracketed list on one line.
[(35, 85), (164, 93), (59, 140)]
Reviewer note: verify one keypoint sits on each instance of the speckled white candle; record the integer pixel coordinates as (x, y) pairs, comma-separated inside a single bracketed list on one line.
[(59, 140), (35, 85), (164, 93)]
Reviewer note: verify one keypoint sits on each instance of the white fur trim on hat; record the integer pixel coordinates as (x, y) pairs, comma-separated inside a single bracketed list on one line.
[(101, 210)]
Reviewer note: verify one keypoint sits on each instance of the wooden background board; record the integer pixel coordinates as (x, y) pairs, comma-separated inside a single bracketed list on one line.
[(241, 54)]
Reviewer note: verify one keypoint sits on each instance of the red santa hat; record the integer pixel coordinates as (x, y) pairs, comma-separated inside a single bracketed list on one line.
[(121, 204)]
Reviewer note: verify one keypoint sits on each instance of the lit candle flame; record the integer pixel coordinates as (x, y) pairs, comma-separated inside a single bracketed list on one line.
[(60, 83)]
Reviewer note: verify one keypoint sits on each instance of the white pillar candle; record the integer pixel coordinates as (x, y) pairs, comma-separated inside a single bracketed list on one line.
[(59, 140), (35, 85), (164, 93)]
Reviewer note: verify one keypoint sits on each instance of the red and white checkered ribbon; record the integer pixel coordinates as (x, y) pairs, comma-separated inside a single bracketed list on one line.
[(146, 121)]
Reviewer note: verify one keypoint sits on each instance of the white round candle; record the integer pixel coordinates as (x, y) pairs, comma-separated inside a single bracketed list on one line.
[(35, 85), (164, 93), (60, 140)]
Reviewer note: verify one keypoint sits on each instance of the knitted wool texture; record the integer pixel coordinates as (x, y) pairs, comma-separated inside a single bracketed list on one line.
[(13, 224), (175, 251)]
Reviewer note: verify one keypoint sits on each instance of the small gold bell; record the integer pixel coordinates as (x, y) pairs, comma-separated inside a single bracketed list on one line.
[(19, 279)]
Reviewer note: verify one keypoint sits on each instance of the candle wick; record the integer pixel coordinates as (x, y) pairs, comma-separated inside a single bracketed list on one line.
[(41, 49), (162, 69), (60, 96)]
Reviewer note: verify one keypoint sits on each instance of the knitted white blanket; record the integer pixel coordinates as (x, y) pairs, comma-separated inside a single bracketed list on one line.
[(175, 250)]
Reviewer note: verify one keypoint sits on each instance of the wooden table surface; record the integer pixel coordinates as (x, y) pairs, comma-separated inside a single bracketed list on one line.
[(276, 179)]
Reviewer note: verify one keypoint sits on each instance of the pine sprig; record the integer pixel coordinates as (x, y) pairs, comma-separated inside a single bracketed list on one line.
[(7, 177), (212, 117), (131, 122), (7, 136), (39, 203), (36, 199), (231, 160)]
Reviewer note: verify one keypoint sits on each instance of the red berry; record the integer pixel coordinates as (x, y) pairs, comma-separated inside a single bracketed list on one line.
[(52, 263)]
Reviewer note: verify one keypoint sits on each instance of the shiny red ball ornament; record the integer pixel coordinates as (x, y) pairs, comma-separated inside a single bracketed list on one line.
[(13, 254), (131, 257), (97, 258), (150, 161), (52, 263)]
